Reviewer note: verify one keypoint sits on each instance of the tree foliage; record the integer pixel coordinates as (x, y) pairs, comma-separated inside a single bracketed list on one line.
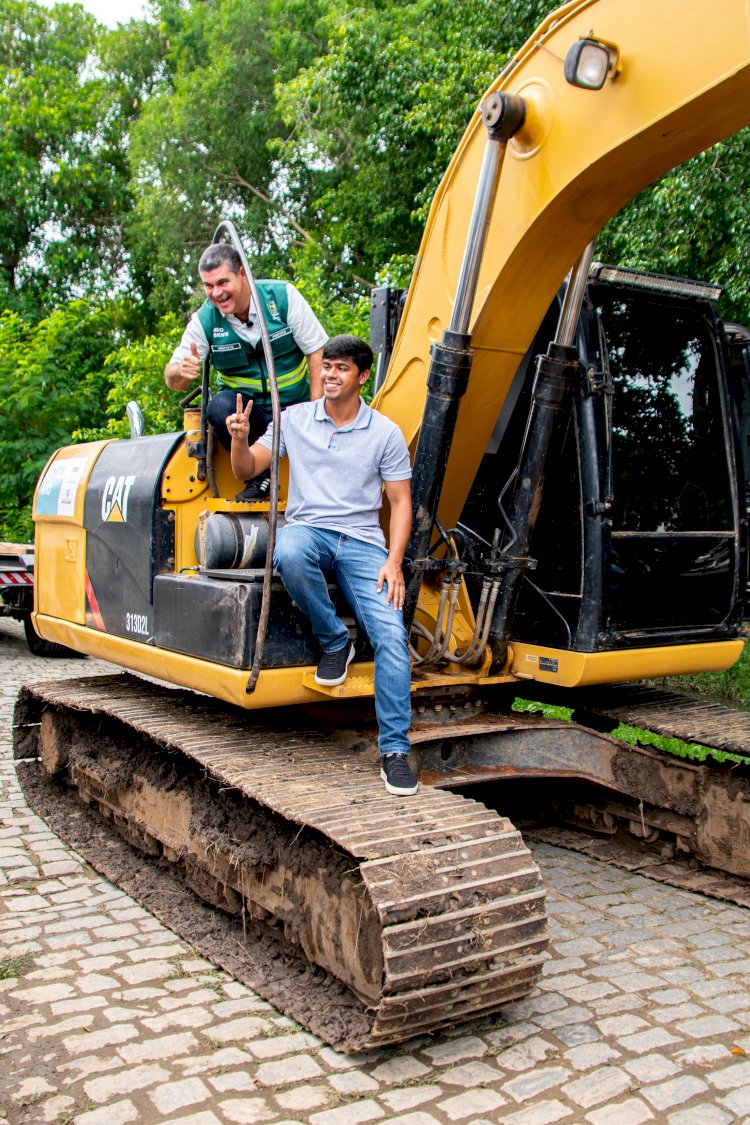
[(64, 116), (52, 381), (694, 222), (203, 148), (376, 118), (135, 373)]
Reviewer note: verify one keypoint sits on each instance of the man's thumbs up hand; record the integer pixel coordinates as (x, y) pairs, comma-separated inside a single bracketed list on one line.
[(191, 364)]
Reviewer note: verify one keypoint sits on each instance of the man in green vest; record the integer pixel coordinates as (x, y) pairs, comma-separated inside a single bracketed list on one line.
[(226, 327)]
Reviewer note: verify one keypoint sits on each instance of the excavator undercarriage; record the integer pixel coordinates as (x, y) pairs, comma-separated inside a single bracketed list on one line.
[(428, 911)]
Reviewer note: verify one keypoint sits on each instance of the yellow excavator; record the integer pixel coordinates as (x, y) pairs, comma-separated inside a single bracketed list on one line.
[(577, 437)]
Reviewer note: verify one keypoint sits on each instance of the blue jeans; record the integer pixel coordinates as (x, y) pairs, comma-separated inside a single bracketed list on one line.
[(305, 557)]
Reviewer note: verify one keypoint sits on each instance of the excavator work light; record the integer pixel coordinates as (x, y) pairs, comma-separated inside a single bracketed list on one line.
[(587, 64)]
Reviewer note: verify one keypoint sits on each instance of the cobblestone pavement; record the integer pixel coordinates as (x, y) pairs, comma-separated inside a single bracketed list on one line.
[(106, 1017)]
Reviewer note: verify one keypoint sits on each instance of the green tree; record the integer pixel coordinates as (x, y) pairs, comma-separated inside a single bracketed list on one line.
[(135, 372), (63, 154), (201, 150), (694, 222), (376, 119), (52, 381)]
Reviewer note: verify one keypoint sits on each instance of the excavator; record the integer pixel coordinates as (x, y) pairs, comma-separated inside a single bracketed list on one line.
[(579, 436)]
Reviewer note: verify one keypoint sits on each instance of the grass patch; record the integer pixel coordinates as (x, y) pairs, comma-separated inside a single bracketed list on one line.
[(15, 966), (68, 1116), (692, 750), (549, 710), (731, 686), (637, 737), (178, 970)]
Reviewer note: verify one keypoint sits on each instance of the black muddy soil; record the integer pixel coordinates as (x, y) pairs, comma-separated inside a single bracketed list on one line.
[(249, 952)]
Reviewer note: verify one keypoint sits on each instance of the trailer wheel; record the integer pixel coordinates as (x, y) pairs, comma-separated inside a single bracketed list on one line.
[(39, 647)]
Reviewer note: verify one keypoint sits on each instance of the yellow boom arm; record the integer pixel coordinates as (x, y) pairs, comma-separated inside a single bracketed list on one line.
[(681, 83)]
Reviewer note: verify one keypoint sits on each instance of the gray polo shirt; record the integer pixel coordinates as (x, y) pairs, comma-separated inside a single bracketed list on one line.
[(336, 476)]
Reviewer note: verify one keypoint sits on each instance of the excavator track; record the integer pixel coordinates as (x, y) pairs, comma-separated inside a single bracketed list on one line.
[(430, 910), (669, 714), (585, 777)]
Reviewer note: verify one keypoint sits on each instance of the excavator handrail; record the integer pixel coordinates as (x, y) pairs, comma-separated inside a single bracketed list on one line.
[(265, 606)]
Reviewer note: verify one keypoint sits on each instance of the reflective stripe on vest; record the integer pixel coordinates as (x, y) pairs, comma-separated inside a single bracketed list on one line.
[(297, 377)]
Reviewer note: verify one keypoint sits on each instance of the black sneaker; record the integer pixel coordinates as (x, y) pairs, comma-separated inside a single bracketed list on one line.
[(255, 490), (331, 670), (397, 775)]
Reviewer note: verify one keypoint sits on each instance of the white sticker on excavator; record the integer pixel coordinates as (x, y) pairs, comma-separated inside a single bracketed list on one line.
[(58, 487), (137, 623)]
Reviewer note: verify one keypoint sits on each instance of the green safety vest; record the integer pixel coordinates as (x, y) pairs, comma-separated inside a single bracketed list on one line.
[(241, 365)]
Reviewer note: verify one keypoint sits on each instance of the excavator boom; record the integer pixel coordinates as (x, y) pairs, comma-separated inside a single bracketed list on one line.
[(680, 82)]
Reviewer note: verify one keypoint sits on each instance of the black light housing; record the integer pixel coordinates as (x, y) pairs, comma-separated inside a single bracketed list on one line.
[(588, 63)]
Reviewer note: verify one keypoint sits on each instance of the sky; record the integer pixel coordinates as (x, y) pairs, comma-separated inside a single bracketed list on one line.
[(111, 12)]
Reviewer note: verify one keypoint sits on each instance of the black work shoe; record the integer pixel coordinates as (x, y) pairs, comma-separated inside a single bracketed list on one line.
[(255, 490), (331, 670), (397, 775)]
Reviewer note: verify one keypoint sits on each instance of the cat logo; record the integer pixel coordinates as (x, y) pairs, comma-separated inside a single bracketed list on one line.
[(115, 499)]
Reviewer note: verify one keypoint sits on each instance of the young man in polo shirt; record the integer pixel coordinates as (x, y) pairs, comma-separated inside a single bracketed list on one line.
[(342, 453), (226, 327)]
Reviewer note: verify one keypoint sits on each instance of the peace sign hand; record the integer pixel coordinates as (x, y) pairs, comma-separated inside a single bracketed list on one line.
[(239, 424)]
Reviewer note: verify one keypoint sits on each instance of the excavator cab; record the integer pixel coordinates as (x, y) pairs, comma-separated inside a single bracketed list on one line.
[(671, 548), (640, 537)]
